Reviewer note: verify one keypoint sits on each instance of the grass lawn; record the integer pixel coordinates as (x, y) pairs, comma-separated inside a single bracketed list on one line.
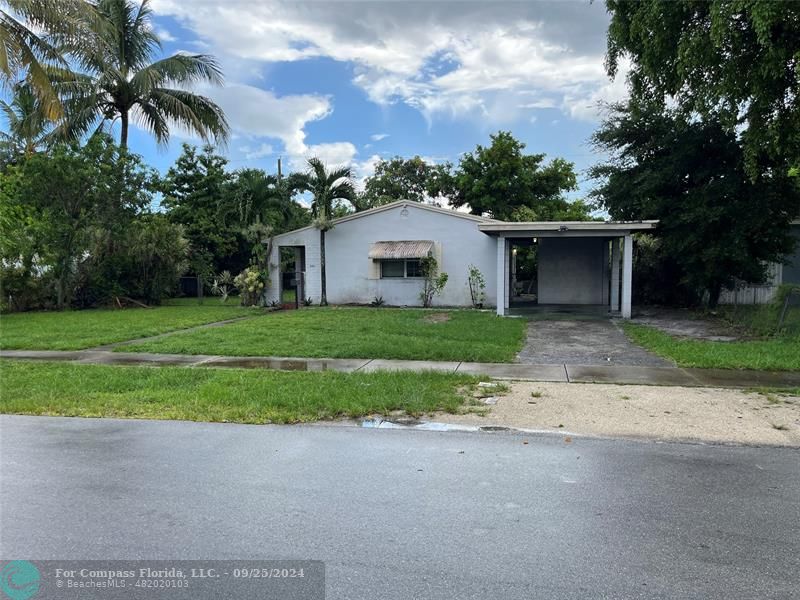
[(73, 330), (357, 333), (235, 395), (775, 354)]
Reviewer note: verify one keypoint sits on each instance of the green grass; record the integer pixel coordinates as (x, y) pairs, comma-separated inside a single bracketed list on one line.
[(73, 330), (356, 333), (229, 395), (775, 354)]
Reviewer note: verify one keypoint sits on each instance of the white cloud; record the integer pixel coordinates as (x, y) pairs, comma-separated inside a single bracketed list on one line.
[(164, 35), (261, 151), (377, 137), (496, 62), (333, 154)]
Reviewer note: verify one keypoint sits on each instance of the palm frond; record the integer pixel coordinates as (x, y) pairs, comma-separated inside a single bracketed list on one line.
[(180, 69), (195, 113)]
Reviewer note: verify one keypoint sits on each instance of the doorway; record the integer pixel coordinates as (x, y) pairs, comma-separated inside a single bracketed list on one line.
[(292, 274), (524, 272)]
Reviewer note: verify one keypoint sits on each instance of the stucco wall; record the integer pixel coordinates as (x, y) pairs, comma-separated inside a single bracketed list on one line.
[(573, 270), (351, 278)]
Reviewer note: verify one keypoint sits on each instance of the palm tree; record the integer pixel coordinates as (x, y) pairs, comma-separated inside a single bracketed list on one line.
[(28, 128), (24, 53), (121, 80), (326, 187)]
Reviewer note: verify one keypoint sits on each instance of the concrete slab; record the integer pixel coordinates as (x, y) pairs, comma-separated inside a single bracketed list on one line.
[(630, 374), (743, 378), (44, 354), (345, 365), (141, 358), (583, 342), (408, 365), (515, 371)]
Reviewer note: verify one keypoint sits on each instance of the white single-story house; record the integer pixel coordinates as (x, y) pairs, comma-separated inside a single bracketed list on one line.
[(376, 254)]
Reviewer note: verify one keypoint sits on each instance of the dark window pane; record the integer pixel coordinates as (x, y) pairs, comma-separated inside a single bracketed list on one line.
[(414, 268), (391, 268)]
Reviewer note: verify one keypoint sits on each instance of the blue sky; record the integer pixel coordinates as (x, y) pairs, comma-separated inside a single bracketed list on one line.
[(357, 81)]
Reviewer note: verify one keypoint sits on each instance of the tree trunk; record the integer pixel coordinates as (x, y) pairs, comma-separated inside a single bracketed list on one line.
[(714, 291), (324, 295), (123, 136)]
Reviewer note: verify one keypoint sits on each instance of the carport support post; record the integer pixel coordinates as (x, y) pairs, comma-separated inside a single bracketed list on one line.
[(627, 276), (502, 273), (615, 274)]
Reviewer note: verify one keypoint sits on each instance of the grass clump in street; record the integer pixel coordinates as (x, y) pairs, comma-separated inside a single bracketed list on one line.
[(773, 354), (74, 330), (356, 333), (222, 395)]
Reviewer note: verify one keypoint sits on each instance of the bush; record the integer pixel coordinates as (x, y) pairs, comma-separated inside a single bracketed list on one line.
[(658, 278)]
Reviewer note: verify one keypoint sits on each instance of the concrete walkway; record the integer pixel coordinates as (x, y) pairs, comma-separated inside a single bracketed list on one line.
[(565, 373)]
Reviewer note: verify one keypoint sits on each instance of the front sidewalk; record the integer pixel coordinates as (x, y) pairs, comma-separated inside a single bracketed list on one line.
[(565, 373)]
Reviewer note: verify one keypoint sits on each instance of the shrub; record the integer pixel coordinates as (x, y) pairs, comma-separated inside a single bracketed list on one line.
[(434, 282), (251, 283), (477, 287)]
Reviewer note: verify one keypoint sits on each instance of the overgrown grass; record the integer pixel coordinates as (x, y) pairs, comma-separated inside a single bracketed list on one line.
[(776, 354), (234, 395), (357, 333), (73, 330)]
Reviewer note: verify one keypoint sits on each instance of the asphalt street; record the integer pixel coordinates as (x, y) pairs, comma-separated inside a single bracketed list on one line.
[(410, 514)]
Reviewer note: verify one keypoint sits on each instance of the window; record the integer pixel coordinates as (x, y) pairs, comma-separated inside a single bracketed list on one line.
[(391, 269)]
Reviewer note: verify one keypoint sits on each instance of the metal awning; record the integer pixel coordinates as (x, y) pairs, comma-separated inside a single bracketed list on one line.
[(400, 249)]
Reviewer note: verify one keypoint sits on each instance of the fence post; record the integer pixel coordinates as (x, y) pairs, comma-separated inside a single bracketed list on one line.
[(785, 308)]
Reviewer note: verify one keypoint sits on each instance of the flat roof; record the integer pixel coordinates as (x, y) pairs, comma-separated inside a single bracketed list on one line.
[(566, 226)]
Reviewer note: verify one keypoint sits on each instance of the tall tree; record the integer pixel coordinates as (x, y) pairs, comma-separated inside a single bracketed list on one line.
[(717, 223), (733, 59), (123, 81), (264, 198), (399, 179), (501, 181), (327, 188), (196, 195)]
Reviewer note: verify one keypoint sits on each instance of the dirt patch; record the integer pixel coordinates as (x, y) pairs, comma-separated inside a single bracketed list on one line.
[(687, 324), (658, 412), (437, 318)]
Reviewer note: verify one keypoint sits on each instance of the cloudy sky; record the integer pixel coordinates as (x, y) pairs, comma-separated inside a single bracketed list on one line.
[(354, 81)]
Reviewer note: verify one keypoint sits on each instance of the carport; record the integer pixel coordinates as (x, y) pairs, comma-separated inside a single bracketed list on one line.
[(579, 263)]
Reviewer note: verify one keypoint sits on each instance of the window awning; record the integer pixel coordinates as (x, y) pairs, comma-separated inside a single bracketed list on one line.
[(400, 249)]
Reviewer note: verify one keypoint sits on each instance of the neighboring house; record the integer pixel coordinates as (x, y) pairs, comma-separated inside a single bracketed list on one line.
[(778, 274), (376, 254)]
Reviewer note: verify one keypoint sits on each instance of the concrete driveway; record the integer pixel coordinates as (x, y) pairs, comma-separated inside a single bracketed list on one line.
[(583, 342), (405, 514)]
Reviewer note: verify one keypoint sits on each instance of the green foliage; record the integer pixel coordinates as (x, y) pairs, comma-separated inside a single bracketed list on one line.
[(121, 75), (80, 329), (477, 286), (196, 197), (251, 283), (734, 61), (501, 181), (222, 395), (769, 355), (433, 281), (355, 333), (399, 179), (223, 285), (717, 222)]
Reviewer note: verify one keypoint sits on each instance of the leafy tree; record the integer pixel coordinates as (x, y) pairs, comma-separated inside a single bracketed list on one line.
[(196, 195), (327, 188), (123, 81), (717, 223), (399, 179), (499, 180), (264, 198), (733, 60), (69, 195)]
